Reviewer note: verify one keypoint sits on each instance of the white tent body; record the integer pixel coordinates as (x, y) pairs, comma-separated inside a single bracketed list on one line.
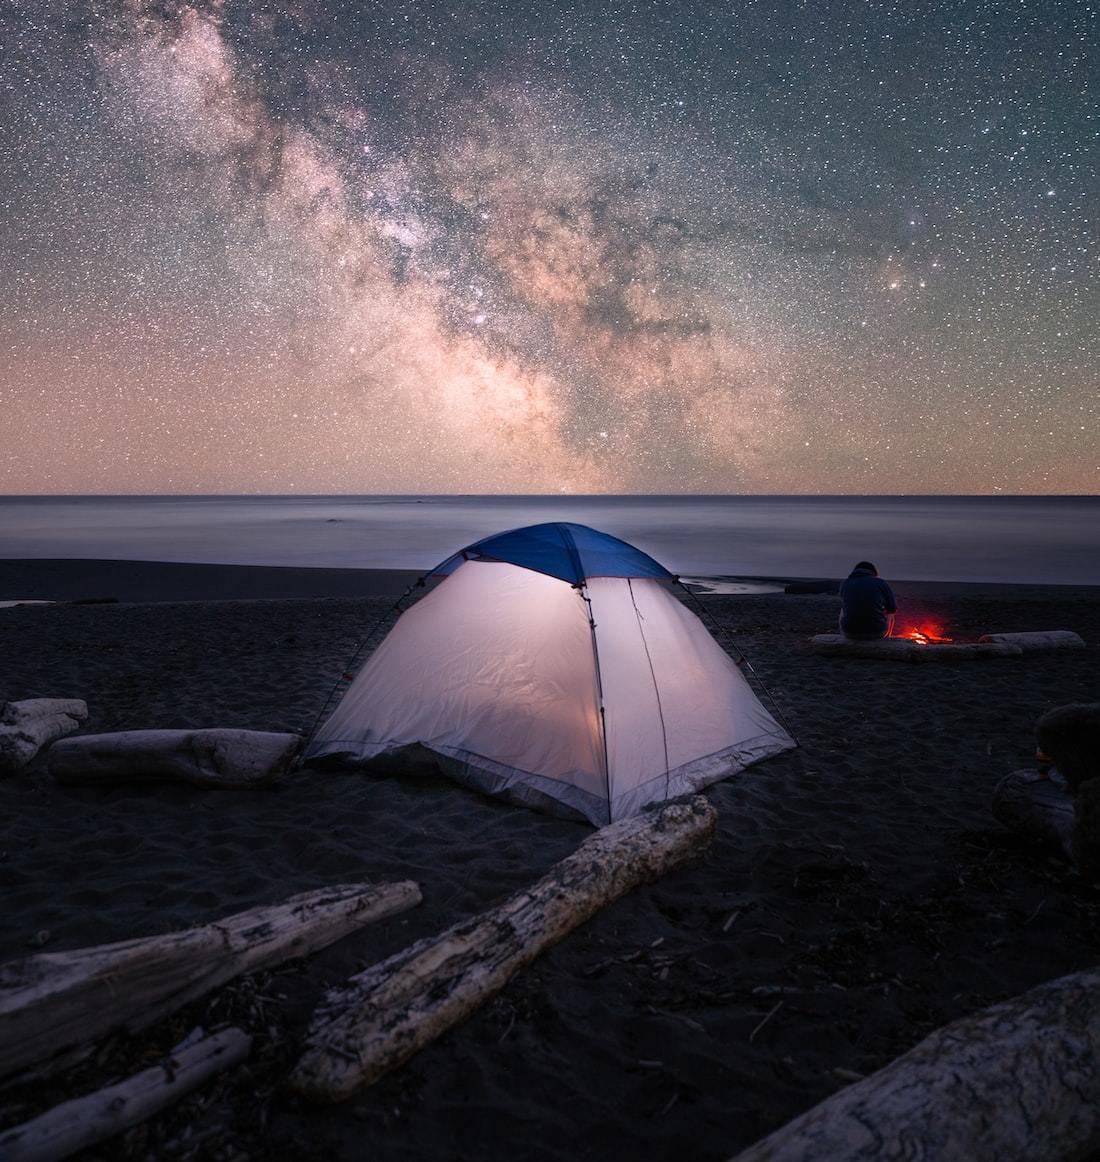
[(501, 672)]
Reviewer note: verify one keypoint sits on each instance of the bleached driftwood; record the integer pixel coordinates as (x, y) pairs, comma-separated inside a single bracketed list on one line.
[(1017, 1082), (203, 758), (1050, 639), (387, 1013), (1040, 807), (904, 650), (84, 1121), (56, 1005), (27, 726)]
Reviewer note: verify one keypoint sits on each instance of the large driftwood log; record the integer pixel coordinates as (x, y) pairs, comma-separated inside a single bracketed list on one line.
[(56, 1003), (387, 1013), (84, 1121), (1050, 639), (1018, 1082), (27, 726), (903, 650), (203, 758)]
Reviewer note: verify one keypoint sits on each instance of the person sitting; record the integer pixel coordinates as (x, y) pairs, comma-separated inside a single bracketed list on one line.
[(867, 604)]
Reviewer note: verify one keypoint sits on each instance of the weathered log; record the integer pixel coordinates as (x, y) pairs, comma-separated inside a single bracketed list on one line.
[(904, 650), (1039, 807), (84, 1121), (27, 726), (1017, 1082), (56, 1002), (203, 758), (393, 1009), (966, 651), (889, 647), (1050, 639)]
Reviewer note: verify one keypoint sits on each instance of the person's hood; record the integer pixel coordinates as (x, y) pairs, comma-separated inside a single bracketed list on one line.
[(862, 573)]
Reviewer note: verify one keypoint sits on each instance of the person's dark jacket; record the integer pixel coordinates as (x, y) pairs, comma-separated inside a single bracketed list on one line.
[(865, 601)]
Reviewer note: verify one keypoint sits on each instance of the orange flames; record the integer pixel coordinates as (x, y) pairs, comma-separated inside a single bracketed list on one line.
[(925, 636)]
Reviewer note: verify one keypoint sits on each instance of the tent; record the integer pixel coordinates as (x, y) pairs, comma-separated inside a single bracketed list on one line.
[(554, 665)]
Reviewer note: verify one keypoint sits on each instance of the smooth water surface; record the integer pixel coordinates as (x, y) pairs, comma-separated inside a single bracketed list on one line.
[(1009, 539)]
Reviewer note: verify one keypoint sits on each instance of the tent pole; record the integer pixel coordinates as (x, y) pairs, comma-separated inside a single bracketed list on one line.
[(583, 590), (652, 678)]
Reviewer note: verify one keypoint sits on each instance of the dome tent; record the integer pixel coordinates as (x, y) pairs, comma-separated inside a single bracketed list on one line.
[(553, 666)]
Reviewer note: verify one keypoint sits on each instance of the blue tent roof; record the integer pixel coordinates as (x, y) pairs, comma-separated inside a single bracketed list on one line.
[(572, 552)]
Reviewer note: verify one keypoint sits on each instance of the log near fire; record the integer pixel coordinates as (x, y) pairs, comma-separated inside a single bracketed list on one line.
[(905, 649)]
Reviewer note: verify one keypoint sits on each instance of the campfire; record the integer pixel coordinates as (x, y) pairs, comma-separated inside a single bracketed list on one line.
[(925, 636)]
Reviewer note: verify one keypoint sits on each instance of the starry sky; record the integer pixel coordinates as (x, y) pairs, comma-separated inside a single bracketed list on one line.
[(653, 247)]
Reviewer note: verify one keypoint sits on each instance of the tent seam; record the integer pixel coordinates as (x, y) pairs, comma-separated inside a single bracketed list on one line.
[(652, 675), (599, 694), (574, 554)]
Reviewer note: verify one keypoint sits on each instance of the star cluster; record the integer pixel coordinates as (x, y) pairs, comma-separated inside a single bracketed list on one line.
[(317, 245)]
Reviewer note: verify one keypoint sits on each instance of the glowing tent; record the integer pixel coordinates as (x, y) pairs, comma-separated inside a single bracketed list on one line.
[(553, 666)]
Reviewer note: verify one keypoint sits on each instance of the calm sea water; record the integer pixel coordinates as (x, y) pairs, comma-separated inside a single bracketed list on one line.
[(1014, 539)]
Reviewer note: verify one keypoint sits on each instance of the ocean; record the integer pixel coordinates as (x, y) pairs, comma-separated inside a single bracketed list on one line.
[(1037, 539)]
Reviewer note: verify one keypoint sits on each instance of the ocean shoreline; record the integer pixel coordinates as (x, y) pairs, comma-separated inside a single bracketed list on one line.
[(79, 578), (1036, 540)]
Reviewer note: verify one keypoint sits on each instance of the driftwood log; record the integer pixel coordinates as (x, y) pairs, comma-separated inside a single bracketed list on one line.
[(896, 649), (27, 726), (393, 1009), (54, 1006), (84, 1121), (1051, 639), (1018, 1082), (203, 758)]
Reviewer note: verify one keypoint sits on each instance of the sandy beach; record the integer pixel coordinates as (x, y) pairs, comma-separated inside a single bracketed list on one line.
[(858, 893)]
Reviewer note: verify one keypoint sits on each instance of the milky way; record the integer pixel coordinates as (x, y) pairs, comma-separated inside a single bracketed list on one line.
[(323, 246)]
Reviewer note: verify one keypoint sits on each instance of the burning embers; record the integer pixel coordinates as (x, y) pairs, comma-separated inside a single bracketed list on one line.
[(924, 636)]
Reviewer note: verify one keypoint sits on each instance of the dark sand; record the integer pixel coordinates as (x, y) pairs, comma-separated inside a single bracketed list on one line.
[(53, 580), (858, 883)]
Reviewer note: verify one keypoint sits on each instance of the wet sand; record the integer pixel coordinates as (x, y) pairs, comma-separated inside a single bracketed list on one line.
[(858, 889)]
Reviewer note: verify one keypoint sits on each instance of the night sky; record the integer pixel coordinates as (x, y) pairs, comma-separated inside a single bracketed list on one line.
[(651, 247)]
